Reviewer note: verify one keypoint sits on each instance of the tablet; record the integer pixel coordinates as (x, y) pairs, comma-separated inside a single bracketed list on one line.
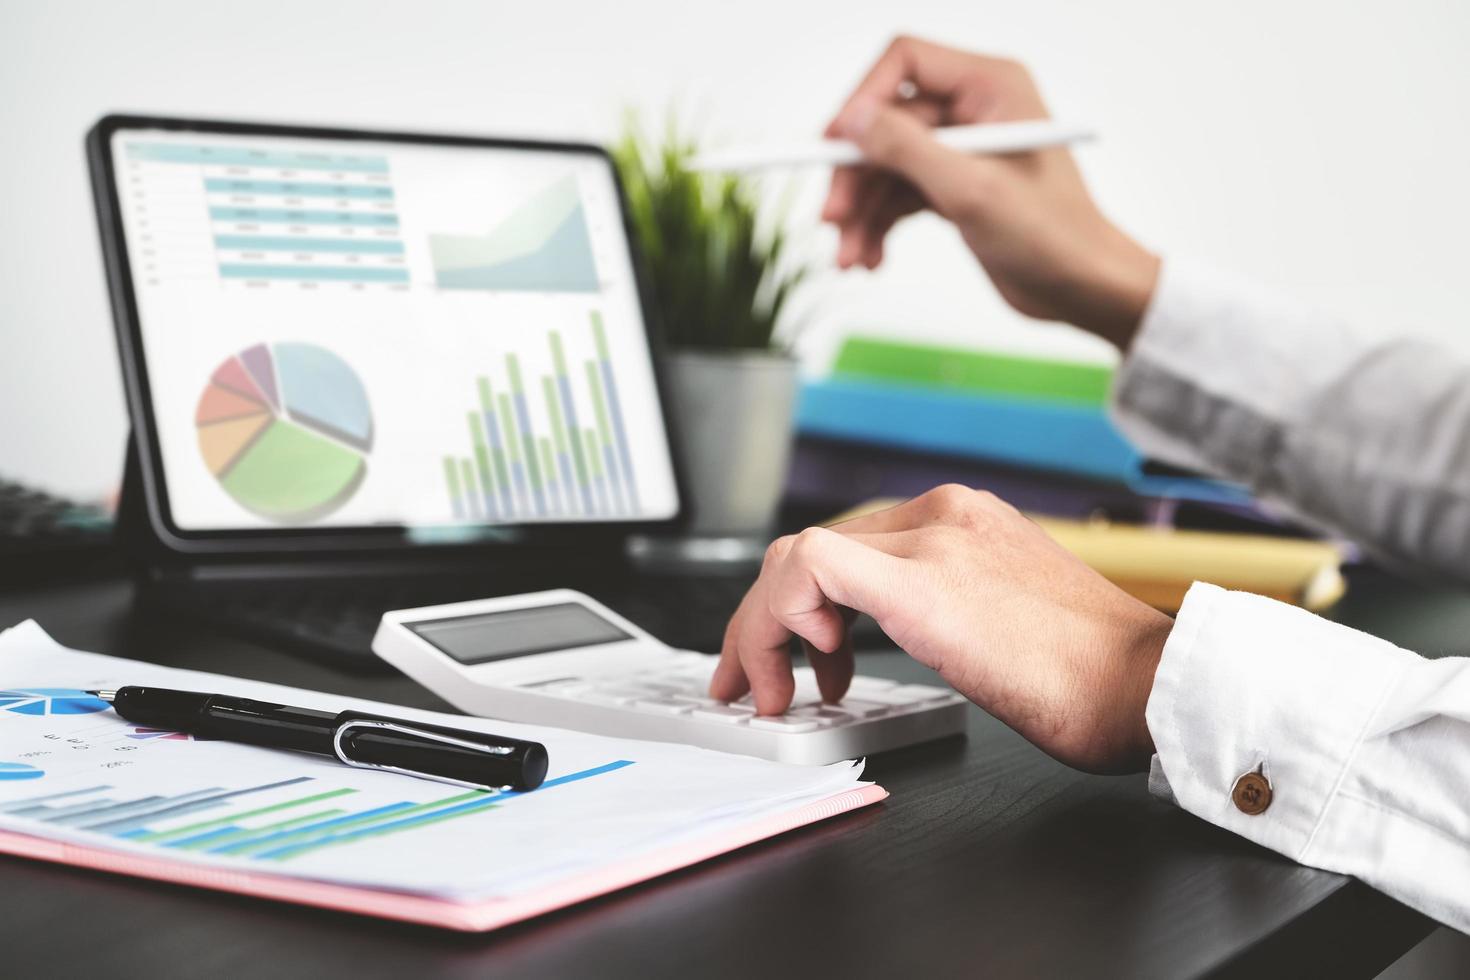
[(332, 334)]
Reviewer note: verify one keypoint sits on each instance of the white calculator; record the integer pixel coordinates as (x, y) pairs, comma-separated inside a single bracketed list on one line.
[(561, 658)]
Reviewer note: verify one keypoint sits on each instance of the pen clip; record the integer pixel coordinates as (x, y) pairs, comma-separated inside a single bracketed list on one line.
[(393, 726)]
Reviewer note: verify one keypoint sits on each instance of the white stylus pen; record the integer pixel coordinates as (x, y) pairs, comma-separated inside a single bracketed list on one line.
[(1000, 137)]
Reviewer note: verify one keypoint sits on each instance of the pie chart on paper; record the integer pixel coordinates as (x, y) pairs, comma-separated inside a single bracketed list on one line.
[(286, 429)]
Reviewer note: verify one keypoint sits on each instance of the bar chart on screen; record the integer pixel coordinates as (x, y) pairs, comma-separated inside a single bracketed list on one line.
[(549, 446)]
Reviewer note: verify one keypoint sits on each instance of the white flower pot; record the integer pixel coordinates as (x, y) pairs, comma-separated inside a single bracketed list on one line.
[(732, 413)]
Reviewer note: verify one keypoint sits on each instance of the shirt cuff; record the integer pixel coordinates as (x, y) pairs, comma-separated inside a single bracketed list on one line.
[(1247, 684)]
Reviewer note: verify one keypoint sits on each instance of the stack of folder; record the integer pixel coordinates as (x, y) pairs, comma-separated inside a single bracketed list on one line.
[(1158, 564), (1003, 408), (1037, 433)]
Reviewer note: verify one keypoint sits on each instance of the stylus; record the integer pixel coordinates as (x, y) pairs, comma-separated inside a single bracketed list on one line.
[(999, 137), (449, 755)]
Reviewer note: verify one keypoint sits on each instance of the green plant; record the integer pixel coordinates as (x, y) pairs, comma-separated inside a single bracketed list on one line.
[(720, 275)]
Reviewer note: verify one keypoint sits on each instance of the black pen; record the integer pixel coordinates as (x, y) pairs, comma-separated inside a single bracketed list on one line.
[(449, 755)]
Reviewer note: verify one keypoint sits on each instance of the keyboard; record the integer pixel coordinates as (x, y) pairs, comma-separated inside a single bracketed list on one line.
[(42, 534)]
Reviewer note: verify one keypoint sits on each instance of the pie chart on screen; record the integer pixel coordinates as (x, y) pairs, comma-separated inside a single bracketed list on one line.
[(286, 429)]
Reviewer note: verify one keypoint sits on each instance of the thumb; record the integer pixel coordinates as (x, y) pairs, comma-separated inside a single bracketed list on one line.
[(898, 141)]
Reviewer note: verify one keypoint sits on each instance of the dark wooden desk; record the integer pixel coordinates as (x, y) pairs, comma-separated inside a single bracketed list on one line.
[(989, 859)]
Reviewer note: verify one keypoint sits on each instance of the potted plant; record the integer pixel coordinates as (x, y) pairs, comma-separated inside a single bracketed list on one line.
[(722, 278)]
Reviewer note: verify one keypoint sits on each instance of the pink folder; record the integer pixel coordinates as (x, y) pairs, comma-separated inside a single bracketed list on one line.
[(475, 916)]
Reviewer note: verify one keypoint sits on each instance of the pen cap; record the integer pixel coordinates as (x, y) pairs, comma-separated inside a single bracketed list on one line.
[(522, 768)]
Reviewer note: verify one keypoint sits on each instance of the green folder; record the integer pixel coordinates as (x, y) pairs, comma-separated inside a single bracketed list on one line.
[(960, 370)]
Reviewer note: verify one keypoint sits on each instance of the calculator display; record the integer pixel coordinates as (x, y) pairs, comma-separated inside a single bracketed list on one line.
[(518, 632)]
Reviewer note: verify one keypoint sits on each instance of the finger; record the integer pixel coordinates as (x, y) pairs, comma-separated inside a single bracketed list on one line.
[(948, 180), (932, 69), (728, 682), (842, 195), (878, 187), (820, 569), (901, 202), (833, 670)]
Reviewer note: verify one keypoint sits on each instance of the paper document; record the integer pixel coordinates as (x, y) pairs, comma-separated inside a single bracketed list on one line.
[(73, 771)]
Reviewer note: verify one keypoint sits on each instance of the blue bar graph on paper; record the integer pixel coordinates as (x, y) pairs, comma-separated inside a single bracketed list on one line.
[(155, 820), (106, 809), (289, 243), (304, 216), (207, 835), (244, 157), (327, 273), (571, 777), (377, 828), (170, 809), (381, 828), (254, 843), (296, 188), (31, 803)]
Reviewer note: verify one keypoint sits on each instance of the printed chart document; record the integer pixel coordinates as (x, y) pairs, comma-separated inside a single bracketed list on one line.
[(80, 785)]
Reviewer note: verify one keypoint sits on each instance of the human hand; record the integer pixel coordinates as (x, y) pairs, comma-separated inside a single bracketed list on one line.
[(968, 586), (1027, 216)]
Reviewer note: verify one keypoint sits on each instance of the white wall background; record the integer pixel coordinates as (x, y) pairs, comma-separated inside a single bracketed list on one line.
[(1320, 146)]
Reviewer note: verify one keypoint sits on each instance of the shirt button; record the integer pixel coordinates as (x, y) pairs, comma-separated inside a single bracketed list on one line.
[(1251, 794)]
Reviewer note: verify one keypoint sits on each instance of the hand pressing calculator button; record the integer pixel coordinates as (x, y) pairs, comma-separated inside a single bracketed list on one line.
[(561, 658)]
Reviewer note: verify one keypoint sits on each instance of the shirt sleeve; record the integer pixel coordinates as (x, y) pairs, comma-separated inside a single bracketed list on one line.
[(1362, 434), (1364, 748)]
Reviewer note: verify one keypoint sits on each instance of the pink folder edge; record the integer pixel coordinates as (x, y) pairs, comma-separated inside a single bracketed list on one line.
[(481, 916)]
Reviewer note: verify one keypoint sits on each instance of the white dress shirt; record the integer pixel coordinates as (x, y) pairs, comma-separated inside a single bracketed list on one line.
[(1328, 745)]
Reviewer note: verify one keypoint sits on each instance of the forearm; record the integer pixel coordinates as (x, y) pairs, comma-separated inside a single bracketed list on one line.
[(1365, 436)]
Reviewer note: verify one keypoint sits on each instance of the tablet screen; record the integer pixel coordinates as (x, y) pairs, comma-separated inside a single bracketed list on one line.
[(346, 333)]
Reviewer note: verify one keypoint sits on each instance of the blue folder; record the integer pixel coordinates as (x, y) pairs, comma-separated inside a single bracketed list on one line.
[(1066, 438)]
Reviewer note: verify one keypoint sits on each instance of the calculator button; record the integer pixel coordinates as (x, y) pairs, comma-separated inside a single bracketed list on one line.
[(908, 694), (661, 687), (824, 715), (784, 723), (563, 687), (550, 683), (861, 709), (728, 713), (664, 706), (691, 689), (860, 684), (695, 700), (615, 695)]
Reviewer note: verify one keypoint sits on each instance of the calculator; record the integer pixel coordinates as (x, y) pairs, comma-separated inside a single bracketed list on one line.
[(560, 658)]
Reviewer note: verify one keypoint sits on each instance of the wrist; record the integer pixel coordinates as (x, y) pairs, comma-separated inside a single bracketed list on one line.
[(1117, 288), (1140, 663)]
